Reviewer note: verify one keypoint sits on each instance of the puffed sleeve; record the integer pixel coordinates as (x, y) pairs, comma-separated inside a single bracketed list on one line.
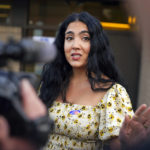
[(113, 108)]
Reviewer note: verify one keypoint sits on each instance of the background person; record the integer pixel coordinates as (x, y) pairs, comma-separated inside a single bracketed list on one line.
[(83, 81)]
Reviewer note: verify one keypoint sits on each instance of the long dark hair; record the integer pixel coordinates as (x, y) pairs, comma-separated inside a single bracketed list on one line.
[(56, 75)]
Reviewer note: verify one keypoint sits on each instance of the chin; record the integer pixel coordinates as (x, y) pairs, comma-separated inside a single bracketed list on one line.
[(77, 66)]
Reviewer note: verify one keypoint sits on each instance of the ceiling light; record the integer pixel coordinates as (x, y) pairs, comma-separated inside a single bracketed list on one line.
[(119, 26)]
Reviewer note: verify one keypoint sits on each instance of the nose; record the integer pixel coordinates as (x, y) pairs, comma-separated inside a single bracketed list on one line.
[(76, 44)]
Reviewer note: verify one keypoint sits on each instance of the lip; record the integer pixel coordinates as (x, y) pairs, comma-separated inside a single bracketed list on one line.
[(76, 56)]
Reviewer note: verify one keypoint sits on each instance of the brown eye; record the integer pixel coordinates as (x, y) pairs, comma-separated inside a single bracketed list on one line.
[(86, 38), (69, 38)]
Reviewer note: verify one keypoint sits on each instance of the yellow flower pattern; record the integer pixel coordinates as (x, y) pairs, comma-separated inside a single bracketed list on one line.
[(79, 127)]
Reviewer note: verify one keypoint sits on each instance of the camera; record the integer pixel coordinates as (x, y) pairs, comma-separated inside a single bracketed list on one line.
[(28, 51)]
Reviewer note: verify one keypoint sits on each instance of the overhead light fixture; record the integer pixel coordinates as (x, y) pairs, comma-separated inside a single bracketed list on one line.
[(117, 26), (5, 6), (132, 20)]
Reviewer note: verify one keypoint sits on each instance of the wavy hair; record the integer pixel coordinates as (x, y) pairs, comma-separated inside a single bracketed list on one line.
[(56, 75)]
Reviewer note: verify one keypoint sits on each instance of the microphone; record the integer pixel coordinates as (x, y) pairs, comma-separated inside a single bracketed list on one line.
[(28, 51), (38, 51)]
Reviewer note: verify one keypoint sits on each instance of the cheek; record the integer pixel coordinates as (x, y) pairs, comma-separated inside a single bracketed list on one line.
[(67, 51), (87, 49), (66, 47)]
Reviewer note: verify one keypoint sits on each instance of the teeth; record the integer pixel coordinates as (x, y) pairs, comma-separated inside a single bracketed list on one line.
[(75, 55)]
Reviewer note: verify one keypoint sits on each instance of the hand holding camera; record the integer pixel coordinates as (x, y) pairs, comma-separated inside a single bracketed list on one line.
[(24, 111)]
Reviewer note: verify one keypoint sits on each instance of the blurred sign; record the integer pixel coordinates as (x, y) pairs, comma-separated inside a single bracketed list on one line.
[(44, 39)]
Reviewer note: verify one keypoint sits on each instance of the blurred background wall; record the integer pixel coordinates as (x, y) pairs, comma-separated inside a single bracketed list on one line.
[(42, 18)]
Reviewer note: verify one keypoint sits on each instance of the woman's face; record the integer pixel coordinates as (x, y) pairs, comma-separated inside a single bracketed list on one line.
[(77, 44)]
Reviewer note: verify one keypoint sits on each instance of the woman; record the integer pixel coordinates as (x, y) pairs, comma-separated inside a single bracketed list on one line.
[(89, 102)]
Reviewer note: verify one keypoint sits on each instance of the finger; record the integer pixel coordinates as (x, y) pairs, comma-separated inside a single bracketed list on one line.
[(140, 110), (145, 116), (27, 91), (124, 129), (32, 105), (125, 124), (4, 129), (126, 121)]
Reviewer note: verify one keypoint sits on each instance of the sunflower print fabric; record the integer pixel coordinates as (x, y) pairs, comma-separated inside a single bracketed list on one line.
[(79, 127)]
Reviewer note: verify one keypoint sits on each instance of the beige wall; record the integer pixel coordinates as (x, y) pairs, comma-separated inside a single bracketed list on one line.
[(6, 32), (142, 11), (144, 86)]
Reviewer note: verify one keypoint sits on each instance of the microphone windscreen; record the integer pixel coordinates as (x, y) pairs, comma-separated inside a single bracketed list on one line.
[(38, 51)]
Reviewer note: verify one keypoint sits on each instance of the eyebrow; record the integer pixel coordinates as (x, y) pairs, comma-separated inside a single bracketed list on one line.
[(70, 32)]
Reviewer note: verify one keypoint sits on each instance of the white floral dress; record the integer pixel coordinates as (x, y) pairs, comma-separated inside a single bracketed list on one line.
[(79, 127)]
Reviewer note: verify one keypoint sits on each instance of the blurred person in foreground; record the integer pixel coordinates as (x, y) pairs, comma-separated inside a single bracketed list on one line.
[(135, 132), (33, 109), (137, 129)]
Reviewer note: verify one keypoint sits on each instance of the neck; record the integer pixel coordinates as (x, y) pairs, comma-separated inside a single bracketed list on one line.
[(79, 74)]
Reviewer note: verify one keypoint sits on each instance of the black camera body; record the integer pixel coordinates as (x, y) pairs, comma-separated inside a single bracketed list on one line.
[(37, 130)]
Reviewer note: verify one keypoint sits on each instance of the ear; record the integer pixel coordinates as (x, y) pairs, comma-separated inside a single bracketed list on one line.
[(4, 129)]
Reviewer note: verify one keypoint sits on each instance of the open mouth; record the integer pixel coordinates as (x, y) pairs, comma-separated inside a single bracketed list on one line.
[(76, 56)]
